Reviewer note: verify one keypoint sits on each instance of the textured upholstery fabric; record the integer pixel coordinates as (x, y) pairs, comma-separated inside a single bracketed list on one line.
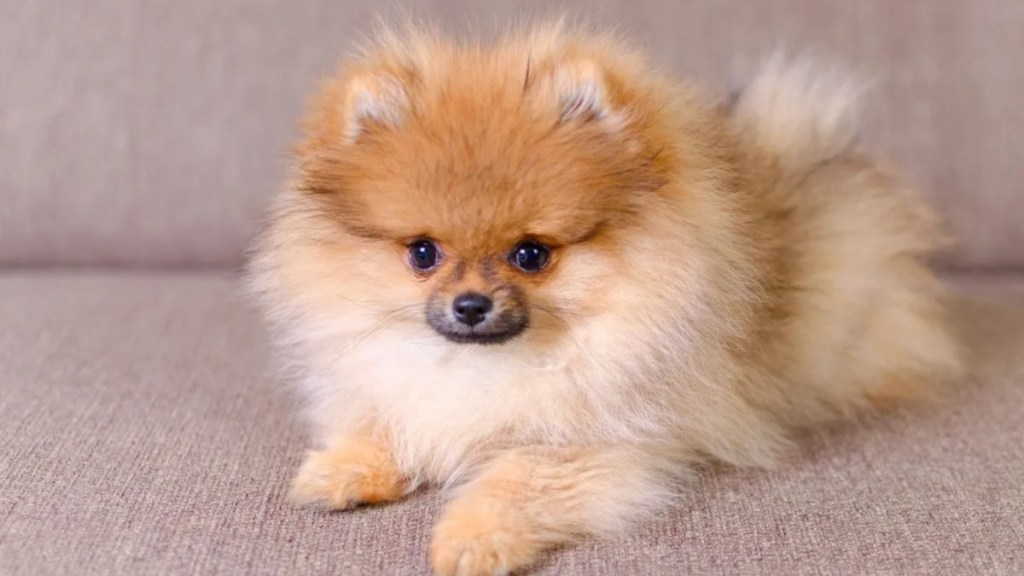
[(153, 132), (142, 434)]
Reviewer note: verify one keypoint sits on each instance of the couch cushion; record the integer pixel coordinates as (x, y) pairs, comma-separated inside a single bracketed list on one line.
[(153, 132), (143, 434)]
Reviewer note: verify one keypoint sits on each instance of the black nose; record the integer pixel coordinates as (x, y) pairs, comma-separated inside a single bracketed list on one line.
[(471, 308)]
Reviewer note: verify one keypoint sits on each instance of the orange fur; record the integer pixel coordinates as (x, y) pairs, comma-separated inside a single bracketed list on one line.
[(354, 471), (718, 278)]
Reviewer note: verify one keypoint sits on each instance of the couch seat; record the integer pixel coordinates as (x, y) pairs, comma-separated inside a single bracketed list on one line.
[(142, 432)]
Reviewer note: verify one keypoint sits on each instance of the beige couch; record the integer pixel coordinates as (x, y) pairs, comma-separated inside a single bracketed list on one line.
[(142, 432)]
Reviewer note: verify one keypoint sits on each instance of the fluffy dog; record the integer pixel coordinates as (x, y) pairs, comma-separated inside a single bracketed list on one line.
[(540, 271)]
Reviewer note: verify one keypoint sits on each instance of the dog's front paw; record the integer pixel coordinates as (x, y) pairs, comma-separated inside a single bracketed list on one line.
[(480, 539), (345, 477)]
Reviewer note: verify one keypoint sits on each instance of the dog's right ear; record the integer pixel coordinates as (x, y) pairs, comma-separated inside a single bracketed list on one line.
[(372, 100)]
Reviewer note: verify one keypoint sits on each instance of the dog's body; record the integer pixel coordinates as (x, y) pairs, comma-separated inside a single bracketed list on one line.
[(663, 281)]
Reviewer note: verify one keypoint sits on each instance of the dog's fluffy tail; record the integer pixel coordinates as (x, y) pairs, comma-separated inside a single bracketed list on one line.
[(798, 112)]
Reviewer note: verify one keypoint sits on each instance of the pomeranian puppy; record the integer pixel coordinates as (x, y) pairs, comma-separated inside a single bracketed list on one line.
[(540, 271)]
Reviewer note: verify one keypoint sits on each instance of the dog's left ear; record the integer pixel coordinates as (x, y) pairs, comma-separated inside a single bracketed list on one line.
[(583, 93)]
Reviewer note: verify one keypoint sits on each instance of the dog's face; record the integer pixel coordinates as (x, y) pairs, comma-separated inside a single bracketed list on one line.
[(495, 198)]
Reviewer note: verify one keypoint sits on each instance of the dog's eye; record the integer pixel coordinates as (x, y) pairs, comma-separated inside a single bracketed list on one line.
[(423, 255), (530, 256)]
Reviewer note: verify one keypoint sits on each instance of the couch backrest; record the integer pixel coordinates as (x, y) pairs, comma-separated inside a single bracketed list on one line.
[(152, 133)]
